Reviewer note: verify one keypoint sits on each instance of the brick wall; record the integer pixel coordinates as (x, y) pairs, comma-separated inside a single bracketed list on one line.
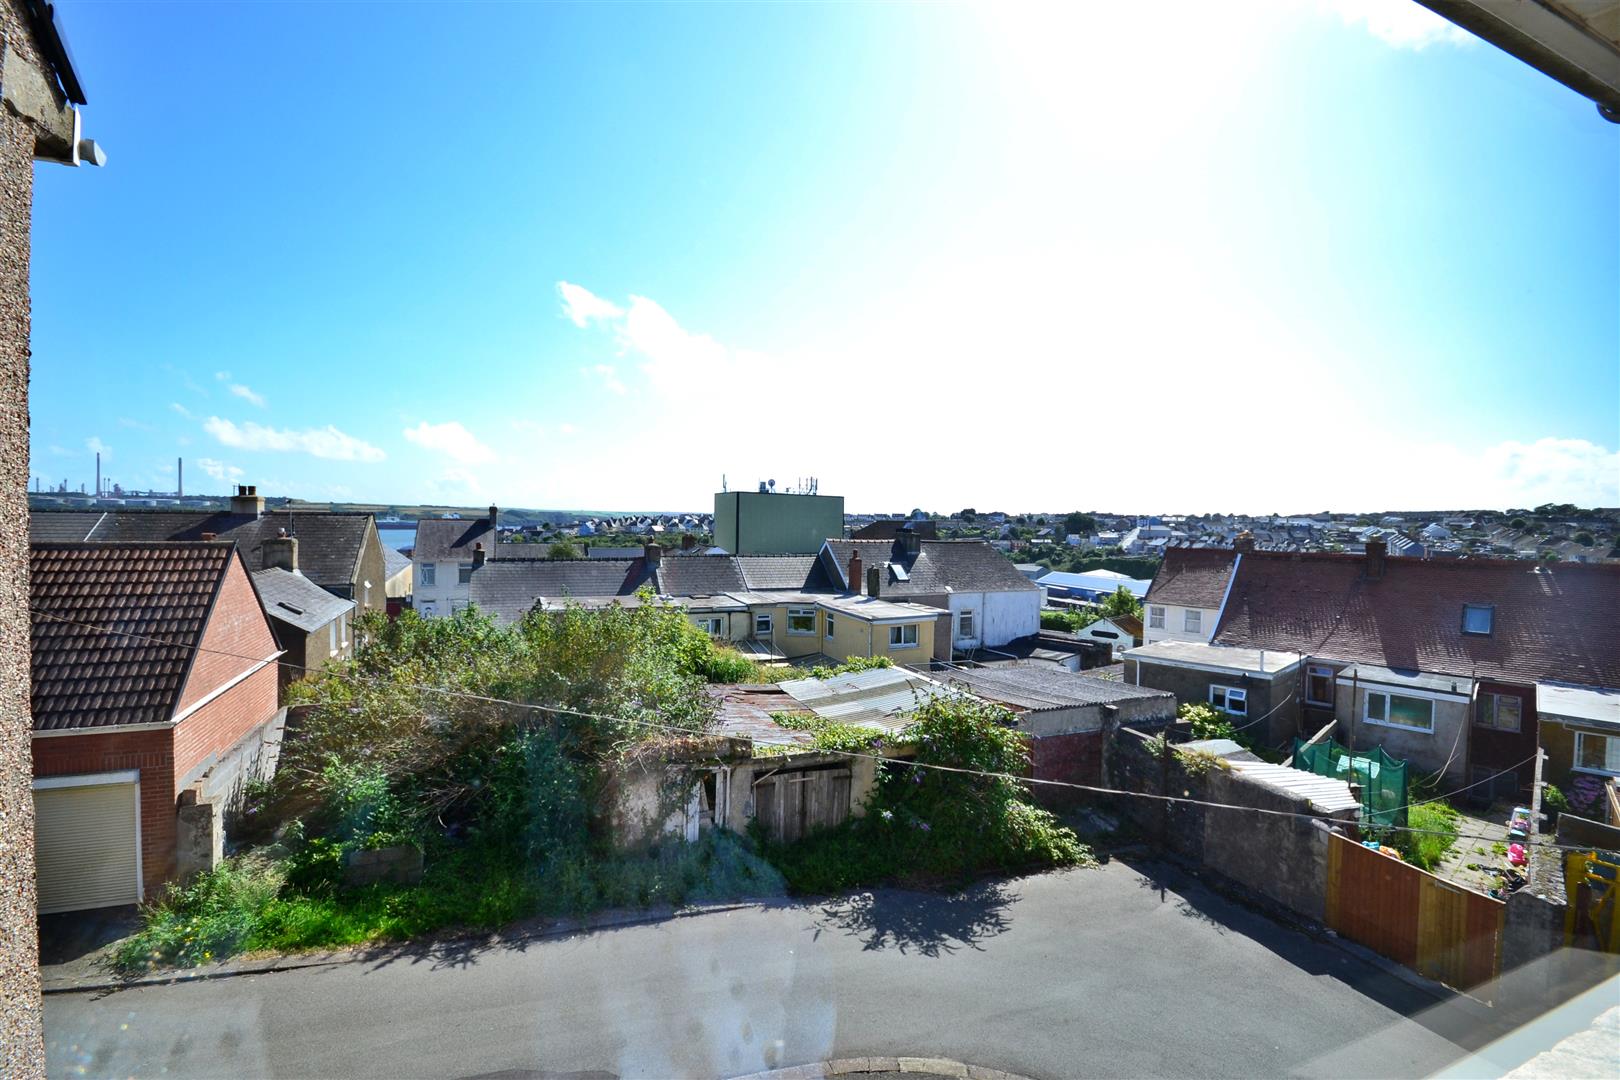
[(149, 751), (1075, 758), (236, 629)]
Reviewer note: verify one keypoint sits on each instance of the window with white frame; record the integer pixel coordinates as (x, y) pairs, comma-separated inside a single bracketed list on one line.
[(710, 625), (1231, 699), (763, 624), (827, 620), (1318, 684), (332, 637), (1499, 711), (964, 624), (1478, 619), (903, 637), (1192, 621), (1399, 710), (1155, 618), (426, 575), (1597, 753), (801, 620), (464, 573)]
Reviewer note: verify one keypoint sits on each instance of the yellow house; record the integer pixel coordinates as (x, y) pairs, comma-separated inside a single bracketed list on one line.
[(791, 626)]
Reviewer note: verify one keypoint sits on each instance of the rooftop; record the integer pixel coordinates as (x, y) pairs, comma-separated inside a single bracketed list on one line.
[(1220, 657), (1036, 688), (296, 600), (1592, 704), (882, 698)]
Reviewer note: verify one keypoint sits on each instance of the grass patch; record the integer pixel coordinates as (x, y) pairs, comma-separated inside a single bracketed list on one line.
[(1429, 848)]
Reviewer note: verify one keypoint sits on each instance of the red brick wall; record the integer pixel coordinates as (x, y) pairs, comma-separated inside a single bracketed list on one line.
[(149, 751), (236, 630), (1076, 758)]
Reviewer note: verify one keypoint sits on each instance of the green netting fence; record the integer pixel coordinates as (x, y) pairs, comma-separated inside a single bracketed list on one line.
[(1381, 778)]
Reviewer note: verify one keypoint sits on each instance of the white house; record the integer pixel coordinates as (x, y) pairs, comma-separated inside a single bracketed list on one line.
[(446, 553), (1185, 601)]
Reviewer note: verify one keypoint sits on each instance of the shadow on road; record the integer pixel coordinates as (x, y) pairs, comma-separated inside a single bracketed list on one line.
[(928, 923)]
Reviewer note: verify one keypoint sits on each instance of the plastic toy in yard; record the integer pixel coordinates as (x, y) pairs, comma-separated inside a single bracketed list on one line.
[(1519, 824), (1516, 855)]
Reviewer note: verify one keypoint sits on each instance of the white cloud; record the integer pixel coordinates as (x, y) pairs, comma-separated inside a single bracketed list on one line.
[(96, 446), (608, 375), (566, 429), (1404, 24), (181, 409), (452, 440), (134, 424), (327, 442), (247, 394), (223, 376), (218, 469), (583, 306), (1553, 470), (456, 485)]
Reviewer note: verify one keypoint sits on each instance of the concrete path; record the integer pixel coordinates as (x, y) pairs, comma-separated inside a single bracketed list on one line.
[(1110, 972)]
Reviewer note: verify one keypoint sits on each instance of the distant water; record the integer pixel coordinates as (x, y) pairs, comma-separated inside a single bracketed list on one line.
[(397, 537)]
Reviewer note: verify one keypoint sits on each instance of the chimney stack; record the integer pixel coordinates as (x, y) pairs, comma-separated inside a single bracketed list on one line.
[(478, 555), (855, 571), (654, 554), (688, 541), (247, 501), (281, 551), (494, 515), (908, 541), (1376, 551), (874, 581), (179, 477), (1243, 542)]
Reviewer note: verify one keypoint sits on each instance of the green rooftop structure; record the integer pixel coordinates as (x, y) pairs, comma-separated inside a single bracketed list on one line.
[(776, 523)]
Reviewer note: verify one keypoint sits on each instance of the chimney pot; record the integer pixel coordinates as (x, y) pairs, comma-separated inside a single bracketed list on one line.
[(247, 501), (494, 515), (874, 581)]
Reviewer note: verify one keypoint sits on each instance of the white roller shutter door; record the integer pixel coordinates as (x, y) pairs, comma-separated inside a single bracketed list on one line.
[(87, 841)]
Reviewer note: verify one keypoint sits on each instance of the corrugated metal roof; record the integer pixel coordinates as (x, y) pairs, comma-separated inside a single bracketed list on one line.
[(882, 698), (1323, 794)]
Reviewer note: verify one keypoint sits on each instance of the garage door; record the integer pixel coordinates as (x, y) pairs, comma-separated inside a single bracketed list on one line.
[(87, 841)]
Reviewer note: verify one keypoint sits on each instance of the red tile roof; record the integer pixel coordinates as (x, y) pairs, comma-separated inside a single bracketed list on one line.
[(1192, 577), (1560, 621), (84, 677)]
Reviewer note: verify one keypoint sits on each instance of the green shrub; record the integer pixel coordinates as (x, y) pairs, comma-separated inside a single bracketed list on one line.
[(1207, 721), (1427, 848), (1552, 798), (217, 914), (853, 665)]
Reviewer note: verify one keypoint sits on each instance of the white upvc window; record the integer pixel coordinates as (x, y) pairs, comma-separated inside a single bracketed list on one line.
[(1399, 711), (764, 625), (1192, 621), (710, 625), (903, 637), (1230, 699), (427, 574), (828, 620), (1596, 753), (964, 625), (464, 573), (1318, 684), (1155, 618), (801, 620), (1499, 711)]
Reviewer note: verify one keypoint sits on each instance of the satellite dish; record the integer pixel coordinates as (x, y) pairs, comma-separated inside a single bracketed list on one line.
[(772, 483)]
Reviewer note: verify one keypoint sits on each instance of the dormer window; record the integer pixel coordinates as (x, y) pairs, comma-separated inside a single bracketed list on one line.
[(1478, 619)]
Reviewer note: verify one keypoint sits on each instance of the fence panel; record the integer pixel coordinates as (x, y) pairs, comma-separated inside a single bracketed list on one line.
[(1449, 933)]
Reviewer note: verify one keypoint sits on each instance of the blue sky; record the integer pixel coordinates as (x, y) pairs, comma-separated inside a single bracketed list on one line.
[(1297, 256)]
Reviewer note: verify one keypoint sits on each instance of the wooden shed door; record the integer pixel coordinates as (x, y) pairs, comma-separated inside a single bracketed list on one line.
[(87, 845), (791, 804)]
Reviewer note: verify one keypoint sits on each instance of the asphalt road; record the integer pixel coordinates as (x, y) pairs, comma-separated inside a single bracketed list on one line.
[(1086, 973)]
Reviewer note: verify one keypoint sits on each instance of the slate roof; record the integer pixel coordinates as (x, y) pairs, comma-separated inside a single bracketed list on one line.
[(90, 678), (394, 562), (329, 544), (508, 588), (939, 567), (699, 575), (802, 572), (1192, 577), (296, 600), (1560, 621), (452, 538)]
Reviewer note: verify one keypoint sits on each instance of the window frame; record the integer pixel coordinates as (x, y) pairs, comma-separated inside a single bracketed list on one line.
[(967, 623), (332, 638), (1318, 671), (1192, 620), (1226, 697), (1490, 619), (765, 623), (1576, 765), (897, 636), (464, 573), (1156, 616), (1389, 696), (428, 575), (1490, 711), (827, 626), (801, 613), (709, 624)]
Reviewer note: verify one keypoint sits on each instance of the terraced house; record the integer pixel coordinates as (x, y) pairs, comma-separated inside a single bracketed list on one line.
[(1463, 667)]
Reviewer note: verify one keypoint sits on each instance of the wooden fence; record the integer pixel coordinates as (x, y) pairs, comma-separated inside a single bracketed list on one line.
[(1450, 934), (791, 804)]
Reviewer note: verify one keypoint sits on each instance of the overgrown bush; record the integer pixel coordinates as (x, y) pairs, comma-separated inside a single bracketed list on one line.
[(853, 665), (924, 825), (1207, 721), (1438, 823)]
